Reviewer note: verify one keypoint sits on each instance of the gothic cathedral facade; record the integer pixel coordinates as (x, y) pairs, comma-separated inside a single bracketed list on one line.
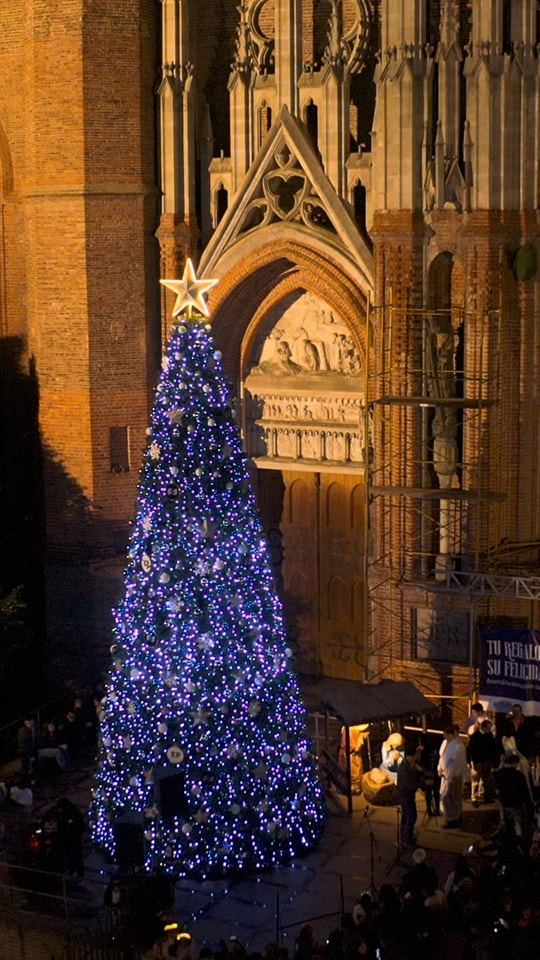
[(361, 177)]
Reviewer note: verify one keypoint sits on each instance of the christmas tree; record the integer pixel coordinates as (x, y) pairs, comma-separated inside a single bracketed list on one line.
[(203, 728)]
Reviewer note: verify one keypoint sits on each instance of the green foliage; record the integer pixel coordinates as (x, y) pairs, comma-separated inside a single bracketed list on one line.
[(17, 654), (525, 263), (12, 610)]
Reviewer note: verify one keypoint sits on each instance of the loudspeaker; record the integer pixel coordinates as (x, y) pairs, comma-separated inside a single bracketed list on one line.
[(170, 794), (129, 840)]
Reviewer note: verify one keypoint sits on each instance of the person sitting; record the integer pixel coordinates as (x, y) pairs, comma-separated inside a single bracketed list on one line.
[(435, 898), (460, 875), (51, 748), (392, 752), (305, 945)]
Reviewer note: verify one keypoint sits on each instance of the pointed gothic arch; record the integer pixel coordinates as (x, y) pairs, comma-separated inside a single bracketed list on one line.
[(291, 324), (264, 115), (220, 202), (311, 119), (254, 279)]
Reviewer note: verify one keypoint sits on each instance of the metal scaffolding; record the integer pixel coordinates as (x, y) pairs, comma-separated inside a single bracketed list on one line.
[(433, 478)]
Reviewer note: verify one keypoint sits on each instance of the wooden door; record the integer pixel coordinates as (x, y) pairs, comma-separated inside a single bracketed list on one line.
[(341, 575), (323, 544)]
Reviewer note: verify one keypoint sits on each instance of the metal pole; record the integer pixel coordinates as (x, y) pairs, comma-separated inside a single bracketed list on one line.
[(349, 778), (471, 650), (65, 899)]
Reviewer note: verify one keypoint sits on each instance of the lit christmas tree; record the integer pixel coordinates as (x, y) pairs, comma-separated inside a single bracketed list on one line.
[(203, 729)]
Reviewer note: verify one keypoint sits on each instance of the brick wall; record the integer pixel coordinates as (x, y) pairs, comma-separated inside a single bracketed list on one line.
[(77, 107)]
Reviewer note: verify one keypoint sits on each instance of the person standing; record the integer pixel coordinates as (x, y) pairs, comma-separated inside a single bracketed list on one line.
[(482, 754), (519, 727), (513, 795), (71, 824), (452, 766), (27, 745), (409, 780), (475, 718)]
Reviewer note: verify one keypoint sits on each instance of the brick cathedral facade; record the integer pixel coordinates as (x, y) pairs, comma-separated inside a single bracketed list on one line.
[(361, 177)]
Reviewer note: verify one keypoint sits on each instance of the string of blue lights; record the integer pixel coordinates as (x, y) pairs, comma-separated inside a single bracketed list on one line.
[(204, 728)]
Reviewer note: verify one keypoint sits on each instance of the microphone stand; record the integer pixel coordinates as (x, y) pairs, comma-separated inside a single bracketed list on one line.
[(372, 847), (397, 861)]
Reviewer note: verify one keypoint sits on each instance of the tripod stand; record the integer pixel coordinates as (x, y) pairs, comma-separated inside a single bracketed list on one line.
[(432, 793), (397, 861), (429, 816)]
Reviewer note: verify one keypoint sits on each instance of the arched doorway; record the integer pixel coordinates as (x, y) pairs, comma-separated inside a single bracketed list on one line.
[(303, 388), (291, 321)]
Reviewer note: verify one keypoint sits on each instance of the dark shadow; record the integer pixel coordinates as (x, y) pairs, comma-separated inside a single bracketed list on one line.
[(270, 490), (21, 480), (69, 576), (22, 537)]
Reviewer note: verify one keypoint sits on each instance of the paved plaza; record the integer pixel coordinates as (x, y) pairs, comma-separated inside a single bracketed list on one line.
[(358, 853)]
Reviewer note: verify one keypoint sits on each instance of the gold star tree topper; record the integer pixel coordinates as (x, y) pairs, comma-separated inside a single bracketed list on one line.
[(189, 291)]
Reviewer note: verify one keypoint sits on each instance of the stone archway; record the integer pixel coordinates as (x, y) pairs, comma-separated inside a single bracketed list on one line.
[(299, 355)]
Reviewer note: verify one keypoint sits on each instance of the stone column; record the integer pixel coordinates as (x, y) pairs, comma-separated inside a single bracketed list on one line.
[(288, 52), (178, 230)]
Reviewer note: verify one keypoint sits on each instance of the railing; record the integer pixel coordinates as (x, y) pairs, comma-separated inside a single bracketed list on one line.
[(99, 942), (281, 928), (44, 893), (42, 890), (335, 775)]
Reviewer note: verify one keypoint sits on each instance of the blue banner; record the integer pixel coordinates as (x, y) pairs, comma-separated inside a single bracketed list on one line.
[(509, 668)]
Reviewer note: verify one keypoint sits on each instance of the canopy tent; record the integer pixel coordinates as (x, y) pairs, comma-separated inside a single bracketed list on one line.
[(355, 702)]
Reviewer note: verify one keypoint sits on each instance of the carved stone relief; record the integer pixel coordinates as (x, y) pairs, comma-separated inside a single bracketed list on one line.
[(305, 389)]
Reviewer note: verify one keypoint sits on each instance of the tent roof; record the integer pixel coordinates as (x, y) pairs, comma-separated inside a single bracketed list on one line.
[(355, 702)]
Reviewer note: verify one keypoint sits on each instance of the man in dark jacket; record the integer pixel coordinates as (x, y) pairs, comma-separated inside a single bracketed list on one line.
[(27, 745), (513, 794), (71, 824), (409, 780), (519, 727), (483, 756)]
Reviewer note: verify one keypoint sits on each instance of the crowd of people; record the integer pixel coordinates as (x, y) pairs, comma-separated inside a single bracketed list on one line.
[(487, 907), (66, 740), (495, 762), (59, 744), (52, 841)]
